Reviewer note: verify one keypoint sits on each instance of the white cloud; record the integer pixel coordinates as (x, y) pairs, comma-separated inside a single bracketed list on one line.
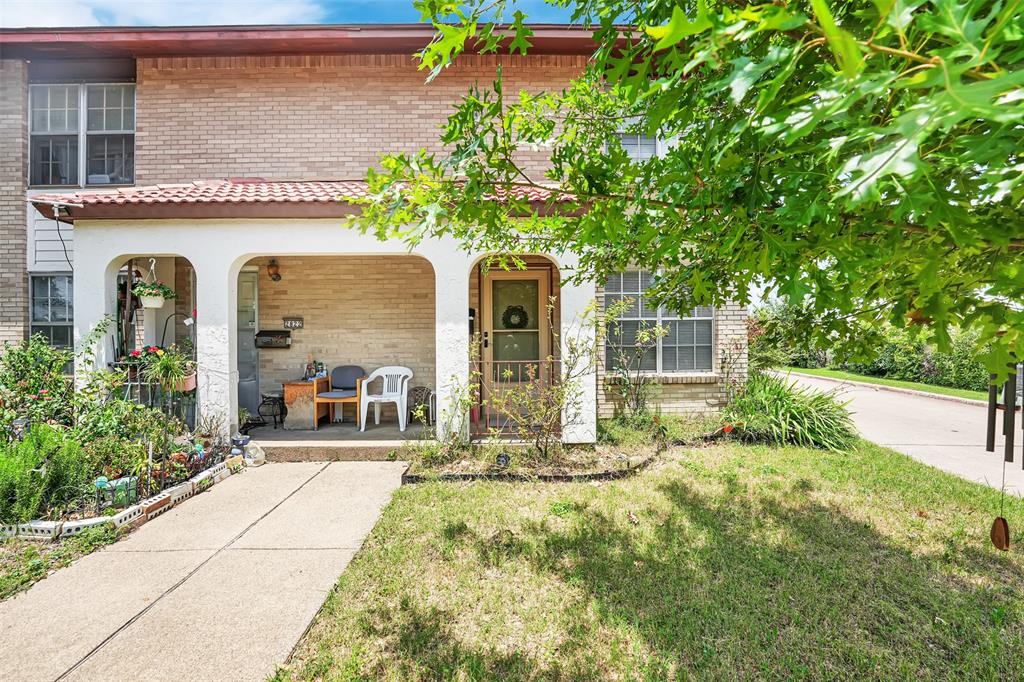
[(22, 13)]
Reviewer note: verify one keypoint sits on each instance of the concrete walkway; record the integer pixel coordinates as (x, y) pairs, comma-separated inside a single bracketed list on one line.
[(945, 434), (220, 588)]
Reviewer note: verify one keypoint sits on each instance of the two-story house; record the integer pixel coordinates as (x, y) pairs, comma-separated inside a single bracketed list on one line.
[(226, 155)]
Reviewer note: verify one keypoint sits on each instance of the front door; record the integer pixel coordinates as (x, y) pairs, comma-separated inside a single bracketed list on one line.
[(515, 331), (248, 354)]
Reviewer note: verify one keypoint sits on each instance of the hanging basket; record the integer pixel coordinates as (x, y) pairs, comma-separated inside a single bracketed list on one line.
[(152, 301)]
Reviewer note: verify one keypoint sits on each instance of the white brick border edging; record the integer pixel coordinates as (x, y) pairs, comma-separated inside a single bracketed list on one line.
[(134, 516)]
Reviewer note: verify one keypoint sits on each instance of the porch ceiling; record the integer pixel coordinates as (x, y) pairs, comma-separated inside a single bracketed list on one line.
[(233, 198)]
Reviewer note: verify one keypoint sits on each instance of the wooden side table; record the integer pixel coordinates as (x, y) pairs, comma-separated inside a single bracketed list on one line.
[(303, 413)]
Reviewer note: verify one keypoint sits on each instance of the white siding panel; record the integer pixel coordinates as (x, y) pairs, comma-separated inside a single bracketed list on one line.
[(49, 250)]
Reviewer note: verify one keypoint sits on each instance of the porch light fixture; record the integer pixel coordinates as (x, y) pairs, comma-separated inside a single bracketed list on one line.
[(273, 271)]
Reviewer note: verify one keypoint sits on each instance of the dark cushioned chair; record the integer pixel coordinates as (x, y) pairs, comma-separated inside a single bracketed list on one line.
[(346, 387)]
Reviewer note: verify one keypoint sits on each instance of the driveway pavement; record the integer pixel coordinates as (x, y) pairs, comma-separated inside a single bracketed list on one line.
[(945, 434), (220, 588)]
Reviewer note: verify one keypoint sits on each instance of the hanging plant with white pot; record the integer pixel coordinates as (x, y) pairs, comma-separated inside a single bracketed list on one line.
[(153, 294)]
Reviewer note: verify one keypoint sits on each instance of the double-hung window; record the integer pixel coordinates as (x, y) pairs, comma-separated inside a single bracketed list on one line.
[(639, 147), (687, 345), (53, 308), (82, 134)]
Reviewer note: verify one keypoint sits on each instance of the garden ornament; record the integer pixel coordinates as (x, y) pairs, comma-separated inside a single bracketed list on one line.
[(1000, 531), (19, 427)]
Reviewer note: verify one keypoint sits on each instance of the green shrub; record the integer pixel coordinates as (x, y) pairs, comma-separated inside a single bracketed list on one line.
[(904, 357), (34, 383), (116, 457), (42, 475), (961, 367), (127, 421), (774, 411)]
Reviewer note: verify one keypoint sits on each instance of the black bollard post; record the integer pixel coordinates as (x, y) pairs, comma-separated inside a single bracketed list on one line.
[(1010, 405), (993, 399)]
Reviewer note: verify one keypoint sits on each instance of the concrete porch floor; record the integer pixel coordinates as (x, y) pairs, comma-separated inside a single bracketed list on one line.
[(335, 442)]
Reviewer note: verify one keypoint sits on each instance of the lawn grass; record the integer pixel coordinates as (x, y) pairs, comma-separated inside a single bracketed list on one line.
[(24, 562), (927, 388), (723, 562)]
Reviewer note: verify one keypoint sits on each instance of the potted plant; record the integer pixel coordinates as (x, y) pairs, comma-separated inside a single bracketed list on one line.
[(153, 294), (173, 370)]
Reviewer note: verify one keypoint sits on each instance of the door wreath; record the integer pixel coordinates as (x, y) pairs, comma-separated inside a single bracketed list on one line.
[(515, 317)]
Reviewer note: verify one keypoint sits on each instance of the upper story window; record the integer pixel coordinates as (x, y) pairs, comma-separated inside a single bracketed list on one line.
[(82, 134), (639, 147), (688, 345)]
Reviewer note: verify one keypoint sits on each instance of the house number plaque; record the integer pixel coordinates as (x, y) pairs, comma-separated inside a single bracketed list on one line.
[(293, 323)]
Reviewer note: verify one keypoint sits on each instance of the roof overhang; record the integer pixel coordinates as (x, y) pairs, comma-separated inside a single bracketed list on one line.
[(242, 198), (107, 42)]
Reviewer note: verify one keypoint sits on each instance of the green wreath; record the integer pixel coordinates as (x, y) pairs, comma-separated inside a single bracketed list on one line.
[(515, 317)]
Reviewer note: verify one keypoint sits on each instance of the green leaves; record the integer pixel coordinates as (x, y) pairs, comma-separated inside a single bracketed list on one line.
[(680, 26), (866, 162), (842, 44)]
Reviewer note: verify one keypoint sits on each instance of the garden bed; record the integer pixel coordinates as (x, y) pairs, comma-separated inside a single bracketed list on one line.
[(600, 468), (131, 516)]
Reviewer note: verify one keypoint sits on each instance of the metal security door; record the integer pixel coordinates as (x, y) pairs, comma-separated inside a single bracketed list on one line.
[(248, 354)]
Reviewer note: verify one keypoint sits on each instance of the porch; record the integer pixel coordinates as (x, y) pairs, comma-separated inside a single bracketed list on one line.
[(362, 301)]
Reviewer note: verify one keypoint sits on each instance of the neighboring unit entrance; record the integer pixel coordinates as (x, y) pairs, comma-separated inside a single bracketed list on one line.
[(248, 354)]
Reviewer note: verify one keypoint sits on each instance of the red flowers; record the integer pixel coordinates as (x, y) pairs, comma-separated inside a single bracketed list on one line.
[(728, 428), (135, 353), (43, 392), (152, 349)]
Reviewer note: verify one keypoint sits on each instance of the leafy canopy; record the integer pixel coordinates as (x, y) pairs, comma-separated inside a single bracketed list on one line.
[(866, 157)]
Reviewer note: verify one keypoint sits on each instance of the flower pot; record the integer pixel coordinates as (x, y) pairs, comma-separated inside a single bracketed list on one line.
[(187, 384), (152, 301)]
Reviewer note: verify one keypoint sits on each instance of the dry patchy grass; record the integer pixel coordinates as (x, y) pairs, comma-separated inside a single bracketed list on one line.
[(723, 562)]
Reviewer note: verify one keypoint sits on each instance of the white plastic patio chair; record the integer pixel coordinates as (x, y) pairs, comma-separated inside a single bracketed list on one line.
[(394, 389)]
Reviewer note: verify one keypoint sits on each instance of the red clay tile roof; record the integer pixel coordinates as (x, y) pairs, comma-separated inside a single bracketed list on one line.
[(235, 197)]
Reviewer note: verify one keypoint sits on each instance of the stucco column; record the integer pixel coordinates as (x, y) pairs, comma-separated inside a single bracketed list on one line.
[(95, 283), (216, 293), (451, 330), (154, 318), (579, 422)]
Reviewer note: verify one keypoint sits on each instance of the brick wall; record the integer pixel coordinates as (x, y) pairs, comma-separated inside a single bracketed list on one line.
[(294, 117), (183, 303), (697, 393), (366, 311), (13, 209)]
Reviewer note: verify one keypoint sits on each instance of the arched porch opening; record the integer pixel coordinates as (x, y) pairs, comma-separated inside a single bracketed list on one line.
[(302, 315), (152, 334)]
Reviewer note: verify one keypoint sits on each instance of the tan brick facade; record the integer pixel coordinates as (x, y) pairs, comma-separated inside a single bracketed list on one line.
[(13, 209), (300, 117), (366, 311)]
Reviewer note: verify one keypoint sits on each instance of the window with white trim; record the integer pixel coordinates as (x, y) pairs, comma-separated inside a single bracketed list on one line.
[(639, 147), (52, 309), (82, 134), (688, 345)]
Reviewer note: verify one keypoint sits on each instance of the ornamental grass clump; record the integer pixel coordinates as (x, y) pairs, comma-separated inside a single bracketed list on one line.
[(42, 475), (774, 411)]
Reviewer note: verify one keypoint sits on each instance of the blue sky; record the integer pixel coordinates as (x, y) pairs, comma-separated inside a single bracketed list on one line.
[(19, 13)]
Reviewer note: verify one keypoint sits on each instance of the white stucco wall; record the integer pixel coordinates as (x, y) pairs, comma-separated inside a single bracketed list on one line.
[(217, 250)]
